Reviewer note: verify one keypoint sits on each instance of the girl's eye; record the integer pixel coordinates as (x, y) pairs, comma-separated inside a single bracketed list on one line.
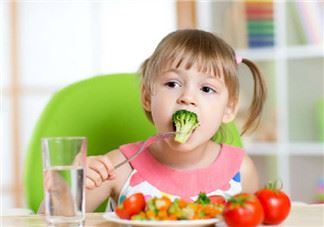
[(208, 90), (172, 84)]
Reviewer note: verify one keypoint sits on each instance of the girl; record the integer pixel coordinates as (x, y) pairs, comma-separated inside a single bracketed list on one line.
[(196, 71)]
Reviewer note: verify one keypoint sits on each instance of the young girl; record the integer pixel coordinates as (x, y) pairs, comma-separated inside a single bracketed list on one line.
[(196, 71)]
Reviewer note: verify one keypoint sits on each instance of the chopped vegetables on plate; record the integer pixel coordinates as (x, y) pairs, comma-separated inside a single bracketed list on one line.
[(165, 209)]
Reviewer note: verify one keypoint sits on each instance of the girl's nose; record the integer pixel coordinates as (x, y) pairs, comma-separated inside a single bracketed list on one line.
[(187, 98)]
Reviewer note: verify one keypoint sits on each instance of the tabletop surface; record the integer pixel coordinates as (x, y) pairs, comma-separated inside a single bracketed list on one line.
[(300, 215)]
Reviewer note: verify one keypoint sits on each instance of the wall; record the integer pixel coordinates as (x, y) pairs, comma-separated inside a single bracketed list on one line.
[(60, 42)]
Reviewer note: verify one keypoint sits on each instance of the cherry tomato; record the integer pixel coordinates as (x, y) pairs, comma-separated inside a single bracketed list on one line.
[(217, 199), (131, 205), (276, 204), (243, 210), (122, 213), (134, 203)]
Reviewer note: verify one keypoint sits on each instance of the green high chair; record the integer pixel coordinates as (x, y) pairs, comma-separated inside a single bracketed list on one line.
[(107, 110)]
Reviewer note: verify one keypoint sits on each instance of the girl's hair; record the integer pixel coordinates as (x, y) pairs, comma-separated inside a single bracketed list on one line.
[(210, 54)]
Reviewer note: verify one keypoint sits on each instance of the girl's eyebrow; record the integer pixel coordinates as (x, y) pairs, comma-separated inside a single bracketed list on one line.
[(208, 76)]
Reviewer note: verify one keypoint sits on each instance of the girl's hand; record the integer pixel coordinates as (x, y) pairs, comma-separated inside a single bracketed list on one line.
[(99, 169)]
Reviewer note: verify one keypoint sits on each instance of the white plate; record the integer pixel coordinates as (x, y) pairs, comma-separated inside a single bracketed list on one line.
[(111, 216)]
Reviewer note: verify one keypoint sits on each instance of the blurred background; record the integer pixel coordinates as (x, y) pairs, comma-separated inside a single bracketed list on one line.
[(46, 45)]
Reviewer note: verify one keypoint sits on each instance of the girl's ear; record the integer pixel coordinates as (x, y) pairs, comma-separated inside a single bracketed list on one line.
[(146, 99), (230, 113)]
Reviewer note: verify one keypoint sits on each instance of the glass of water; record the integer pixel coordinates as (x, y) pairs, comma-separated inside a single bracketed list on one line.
[(64, 163)]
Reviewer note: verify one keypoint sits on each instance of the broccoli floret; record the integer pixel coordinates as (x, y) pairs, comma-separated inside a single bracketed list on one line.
[(202, 198), (185, 122)]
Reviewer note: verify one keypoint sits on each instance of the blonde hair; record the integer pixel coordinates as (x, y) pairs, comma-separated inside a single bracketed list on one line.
[(210, 54)]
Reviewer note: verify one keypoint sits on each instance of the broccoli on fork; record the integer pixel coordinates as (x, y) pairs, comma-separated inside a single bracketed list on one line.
[(185, 122)]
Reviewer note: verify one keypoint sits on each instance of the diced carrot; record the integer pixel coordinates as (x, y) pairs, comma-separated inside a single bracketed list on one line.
[(162, 214), (182, 203), (172, 217), (150, 214)]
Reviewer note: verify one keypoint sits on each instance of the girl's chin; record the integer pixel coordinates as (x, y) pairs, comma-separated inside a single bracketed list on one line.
[(181, 147)]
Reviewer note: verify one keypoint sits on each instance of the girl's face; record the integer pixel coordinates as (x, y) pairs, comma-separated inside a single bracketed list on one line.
[(189, 89)]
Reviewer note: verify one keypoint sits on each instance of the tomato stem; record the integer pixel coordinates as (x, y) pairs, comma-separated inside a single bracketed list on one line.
[(238, 201), (275, 185)]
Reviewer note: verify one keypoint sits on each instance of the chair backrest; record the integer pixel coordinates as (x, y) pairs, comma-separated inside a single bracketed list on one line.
[(106, 109)]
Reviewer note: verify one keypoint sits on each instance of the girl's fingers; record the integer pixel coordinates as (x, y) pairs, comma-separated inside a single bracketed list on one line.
[(109, 166), (99, 166), (99, 169), (94, 176), (90, 184), (112, 176)]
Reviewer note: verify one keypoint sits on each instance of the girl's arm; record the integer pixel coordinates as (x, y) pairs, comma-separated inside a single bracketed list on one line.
[(249, 175)]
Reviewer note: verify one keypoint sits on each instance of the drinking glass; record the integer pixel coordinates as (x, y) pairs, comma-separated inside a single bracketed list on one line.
[(64, 162)]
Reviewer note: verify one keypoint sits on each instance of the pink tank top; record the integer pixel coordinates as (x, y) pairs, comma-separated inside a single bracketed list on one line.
[(152, 178)]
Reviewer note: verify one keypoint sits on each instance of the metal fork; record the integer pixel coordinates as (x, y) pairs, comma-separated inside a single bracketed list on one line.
[(147, 143)]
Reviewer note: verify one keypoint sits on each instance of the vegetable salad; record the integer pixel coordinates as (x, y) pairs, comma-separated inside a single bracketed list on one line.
[(165, 209)]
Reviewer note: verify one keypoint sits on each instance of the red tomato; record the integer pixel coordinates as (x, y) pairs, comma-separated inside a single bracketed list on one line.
[(276, 205), (243, 210), (122, 213), (217, 199), (134, 204)]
